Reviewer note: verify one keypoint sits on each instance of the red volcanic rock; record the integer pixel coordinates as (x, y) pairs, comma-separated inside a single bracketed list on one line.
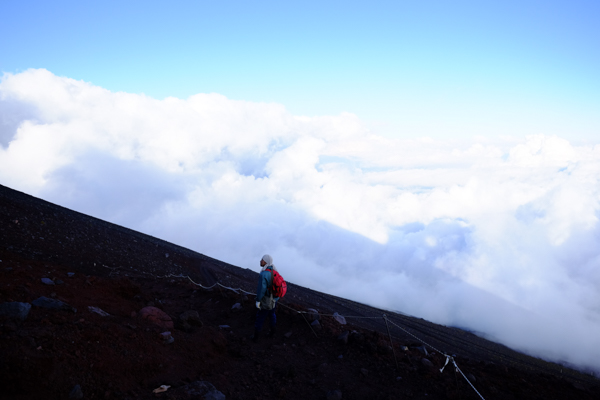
[(157, 317)]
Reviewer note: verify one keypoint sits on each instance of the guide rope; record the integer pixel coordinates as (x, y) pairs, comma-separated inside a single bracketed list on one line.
[(391, 342), (449, 358)]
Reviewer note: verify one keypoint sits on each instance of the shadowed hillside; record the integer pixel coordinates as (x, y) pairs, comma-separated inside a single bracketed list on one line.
[(74, 269)]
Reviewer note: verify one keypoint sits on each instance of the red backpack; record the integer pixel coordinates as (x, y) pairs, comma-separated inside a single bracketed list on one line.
[(278, 286)]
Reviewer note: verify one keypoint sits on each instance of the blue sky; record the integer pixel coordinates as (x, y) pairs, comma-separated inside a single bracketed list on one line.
[(408, 69), (437, 158)]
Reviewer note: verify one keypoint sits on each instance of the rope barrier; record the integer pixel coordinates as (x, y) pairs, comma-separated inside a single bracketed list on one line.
[(391, 342), (468, 381), (329, 315), (309, 325), (419, 339), (237, 290), (448, 357)]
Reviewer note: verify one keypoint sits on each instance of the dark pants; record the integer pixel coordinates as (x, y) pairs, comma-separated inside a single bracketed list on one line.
[(262, 314)]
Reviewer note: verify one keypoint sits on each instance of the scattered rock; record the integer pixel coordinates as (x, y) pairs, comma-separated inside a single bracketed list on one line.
[(322, 368), (9, 326), (344, 337), (236, 306), (384, 349), (15, 310), (316, 325), (167, 338), (59, 282), (339, 318), (309, 351), (288, 334), (157, 317), (98, 311), (312, 315), (426, 362), (357, 337), (190, 318), (202, 390), (422, 349), (70, 274), (334, 395), (46, 302), (161, 388), (471, 378), (76, 393), (47, 281)]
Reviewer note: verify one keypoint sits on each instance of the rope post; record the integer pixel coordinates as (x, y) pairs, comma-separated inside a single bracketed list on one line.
[(391, 343), (311, 328)]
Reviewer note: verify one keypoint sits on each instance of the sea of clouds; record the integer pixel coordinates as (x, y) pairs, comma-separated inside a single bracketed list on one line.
[(499, 236)]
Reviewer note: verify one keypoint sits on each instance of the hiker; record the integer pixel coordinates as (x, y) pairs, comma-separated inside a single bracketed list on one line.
[(265, 303)]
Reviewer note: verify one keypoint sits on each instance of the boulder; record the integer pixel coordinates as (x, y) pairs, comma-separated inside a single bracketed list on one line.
[(157, 317), (334, 395)]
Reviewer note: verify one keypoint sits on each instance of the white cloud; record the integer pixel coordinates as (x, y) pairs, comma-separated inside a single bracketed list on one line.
[(496, 235)]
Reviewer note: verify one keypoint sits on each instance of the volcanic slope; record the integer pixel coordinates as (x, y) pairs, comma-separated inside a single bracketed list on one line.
[(94, 267)]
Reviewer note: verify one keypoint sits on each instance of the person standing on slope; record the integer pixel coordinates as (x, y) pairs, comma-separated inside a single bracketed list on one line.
[(265, 303)]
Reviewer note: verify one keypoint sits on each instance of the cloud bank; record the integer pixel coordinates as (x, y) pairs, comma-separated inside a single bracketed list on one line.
[(499, 236)]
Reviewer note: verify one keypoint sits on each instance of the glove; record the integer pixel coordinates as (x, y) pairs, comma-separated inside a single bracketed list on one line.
[(258, 305)]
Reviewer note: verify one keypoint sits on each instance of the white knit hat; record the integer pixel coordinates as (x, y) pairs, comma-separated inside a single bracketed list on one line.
[(269, 262)]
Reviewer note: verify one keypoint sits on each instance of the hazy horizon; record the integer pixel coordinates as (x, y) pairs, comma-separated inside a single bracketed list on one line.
[(497, 236)]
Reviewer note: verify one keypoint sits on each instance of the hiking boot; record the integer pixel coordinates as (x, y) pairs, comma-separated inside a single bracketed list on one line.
[(272, 332), (255, 336)]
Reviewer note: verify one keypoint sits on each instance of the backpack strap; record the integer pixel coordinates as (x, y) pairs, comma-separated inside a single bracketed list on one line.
[(270, 286)]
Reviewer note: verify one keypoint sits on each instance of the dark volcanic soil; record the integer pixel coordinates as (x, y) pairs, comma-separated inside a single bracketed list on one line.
[(123, 356)]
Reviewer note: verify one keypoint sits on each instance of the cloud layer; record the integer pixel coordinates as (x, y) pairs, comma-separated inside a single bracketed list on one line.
[(499, 236)]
